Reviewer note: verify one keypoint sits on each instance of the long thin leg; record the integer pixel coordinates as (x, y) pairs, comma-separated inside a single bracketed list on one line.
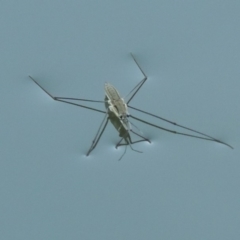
[(127, 143), (145, 139), (173, 123), (130, 142), (178, 125), (98, 134), (139, 85), (81, 99), (123, 144), (179, 133), (59, 99), (123, 153)]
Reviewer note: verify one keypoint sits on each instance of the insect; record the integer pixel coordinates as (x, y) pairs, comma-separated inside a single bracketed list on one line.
[(117, 112)]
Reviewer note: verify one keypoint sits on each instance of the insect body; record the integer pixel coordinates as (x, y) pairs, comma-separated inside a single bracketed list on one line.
[(117, 105), (124, 133), (117, 113)]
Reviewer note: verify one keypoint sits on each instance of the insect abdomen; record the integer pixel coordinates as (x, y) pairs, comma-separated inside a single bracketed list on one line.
[(111, 92)]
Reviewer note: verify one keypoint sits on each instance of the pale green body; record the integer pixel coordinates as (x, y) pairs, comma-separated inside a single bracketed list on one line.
[(117, 105)]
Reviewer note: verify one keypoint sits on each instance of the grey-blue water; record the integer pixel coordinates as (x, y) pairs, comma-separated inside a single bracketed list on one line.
[(178, 188)]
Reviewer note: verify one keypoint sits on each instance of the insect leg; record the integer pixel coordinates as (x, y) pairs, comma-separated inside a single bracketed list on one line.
[(60, 99), (140, 84), (123, 144), (123, 153), (209, 138), (144, 139), (98, 134), (129, 142)]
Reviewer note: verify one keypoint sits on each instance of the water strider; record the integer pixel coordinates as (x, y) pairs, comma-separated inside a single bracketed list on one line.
[(117, 113)]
